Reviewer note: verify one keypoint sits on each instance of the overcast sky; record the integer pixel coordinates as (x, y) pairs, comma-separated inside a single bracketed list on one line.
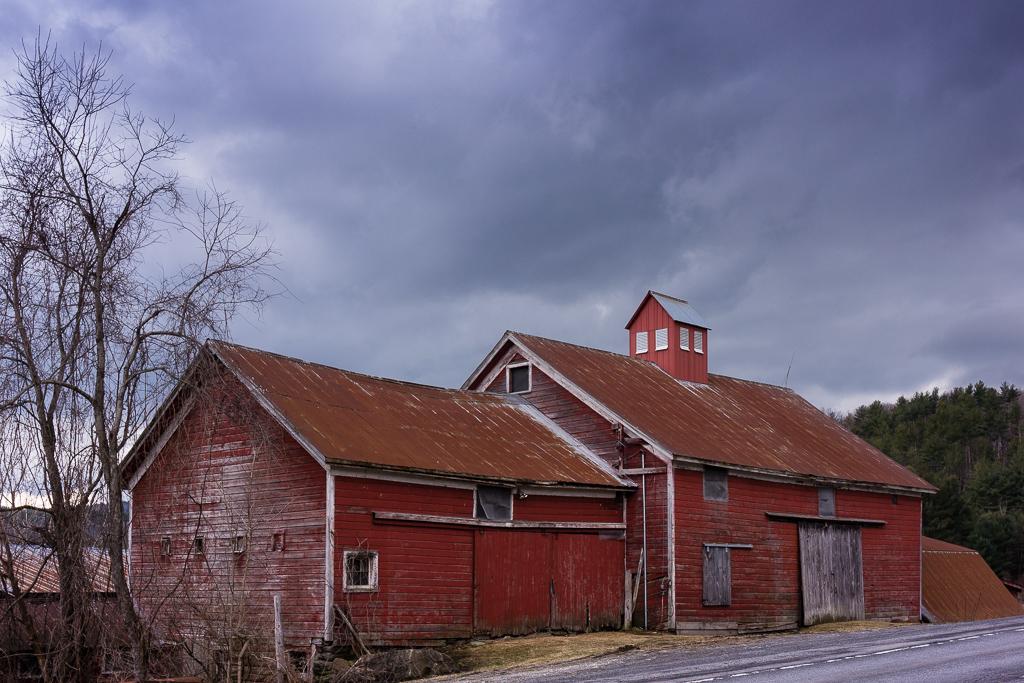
[(836, 184)]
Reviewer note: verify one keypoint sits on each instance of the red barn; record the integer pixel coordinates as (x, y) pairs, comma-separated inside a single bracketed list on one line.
[(754, 510), (562, 487), (424, 514)]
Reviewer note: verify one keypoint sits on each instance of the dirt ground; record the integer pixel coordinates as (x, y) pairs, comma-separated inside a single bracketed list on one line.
[(507, 653)]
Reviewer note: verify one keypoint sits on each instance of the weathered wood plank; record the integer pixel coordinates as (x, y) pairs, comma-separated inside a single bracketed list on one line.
[(831, 572)]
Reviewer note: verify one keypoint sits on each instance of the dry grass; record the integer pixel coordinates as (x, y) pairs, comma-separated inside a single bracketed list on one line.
[(849, 626), (504, 653), (538, 649)]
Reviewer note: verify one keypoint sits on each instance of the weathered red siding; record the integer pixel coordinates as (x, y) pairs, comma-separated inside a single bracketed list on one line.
[(579, 420), (230, 470), (687, 365), (439, 581), (425, 572), (766, 578)]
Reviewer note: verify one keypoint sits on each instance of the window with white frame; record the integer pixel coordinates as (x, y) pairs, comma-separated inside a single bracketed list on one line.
[(641, 342), (277, 542), (165, 546), (360, 570), (493, 503), (661, 339), (684, 338), (698, 341), (199, 545), (238, 544), (518, 378)]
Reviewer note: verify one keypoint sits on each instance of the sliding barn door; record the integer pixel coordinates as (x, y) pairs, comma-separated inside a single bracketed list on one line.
[(831, 572)]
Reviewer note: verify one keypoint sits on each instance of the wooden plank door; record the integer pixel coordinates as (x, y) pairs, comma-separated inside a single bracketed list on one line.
[(586, 580), (831, 572), (512, 577)]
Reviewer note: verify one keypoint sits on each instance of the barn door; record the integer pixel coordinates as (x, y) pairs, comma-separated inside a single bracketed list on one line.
[(831, 573)]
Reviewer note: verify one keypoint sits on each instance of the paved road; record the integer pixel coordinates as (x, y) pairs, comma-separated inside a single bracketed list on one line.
[(976, 651)]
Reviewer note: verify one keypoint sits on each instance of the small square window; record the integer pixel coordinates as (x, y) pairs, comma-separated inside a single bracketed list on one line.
[(827, 502), (716, 484), (360, 570), (698, 341), (277, 542), (518, 378), (641, 342), (661, 339), (493, 503), (199, 545), (238, 544), (165, 546), (684, 338)]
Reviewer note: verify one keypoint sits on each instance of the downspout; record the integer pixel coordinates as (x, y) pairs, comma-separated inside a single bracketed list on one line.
[(643, 485)]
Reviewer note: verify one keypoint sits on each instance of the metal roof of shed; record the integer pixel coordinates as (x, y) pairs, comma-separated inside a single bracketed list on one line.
[(357, 419), (727, 421), (958, 585), (37, 572)]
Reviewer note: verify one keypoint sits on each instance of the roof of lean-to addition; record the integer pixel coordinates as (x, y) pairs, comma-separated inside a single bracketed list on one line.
[(727, 422), (958, 585), (354, 419), (36, 571)]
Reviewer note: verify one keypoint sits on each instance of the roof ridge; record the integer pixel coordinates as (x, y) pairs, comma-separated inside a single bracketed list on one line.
[(578, 346), (752, 381), (392, 380)]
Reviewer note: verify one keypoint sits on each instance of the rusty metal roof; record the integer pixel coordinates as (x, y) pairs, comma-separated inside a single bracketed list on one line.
[(356, 419), (958, 585), (727, 421), (37, 571)]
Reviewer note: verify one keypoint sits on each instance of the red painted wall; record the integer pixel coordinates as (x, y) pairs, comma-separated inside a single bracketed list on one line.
[(576, 418), (211, 480), (441, 581), (686, 365), (766, 579)]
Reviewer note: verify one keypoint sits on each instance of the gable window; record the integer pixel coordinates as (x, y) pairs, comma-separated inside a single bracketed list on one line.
[(518, 378), (641, 342), (360, 570), (165, 546), (698, 341), (493, 503), (661, 339), (717, 576), (827, 502), (684, 338), (716, 484)]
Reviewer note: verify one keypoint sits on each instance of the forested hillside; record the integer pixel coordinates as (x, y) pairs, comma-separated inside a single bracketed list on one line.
[(968, 443)]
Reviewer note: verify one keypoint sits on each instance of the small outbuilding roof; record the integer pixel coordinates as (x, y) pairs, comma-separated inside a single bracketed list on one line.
[(728, 421), (354, 419), (958, 585), (37, 572)]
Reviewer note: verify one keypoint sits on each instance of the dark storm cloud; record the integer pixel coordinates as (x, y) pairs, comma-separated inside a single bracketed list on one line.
[(837, 185)]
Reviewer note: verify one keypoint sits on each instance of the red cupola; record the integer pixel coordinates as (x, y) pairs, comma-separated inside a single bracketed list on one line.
[(669, 332)]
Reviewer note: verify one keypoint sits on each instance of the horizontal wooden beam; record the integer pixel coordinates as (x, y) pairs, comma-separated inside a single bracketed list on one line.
[(786, 517), (735, 546), (636, 471), (491, 524)]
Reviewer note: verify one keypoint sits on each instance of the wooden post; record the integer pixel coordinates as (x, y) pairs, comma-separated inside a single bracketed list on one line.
[(329, 561), (278, 639)]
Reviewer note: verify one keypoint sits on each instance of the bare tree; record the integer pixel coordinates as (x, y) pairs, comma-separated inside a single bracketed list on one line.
[(92, 331)]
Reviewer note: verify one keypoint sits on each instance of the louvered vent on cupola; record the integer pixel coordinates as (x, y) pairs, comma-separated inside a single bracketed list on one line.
[(680, 336)]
